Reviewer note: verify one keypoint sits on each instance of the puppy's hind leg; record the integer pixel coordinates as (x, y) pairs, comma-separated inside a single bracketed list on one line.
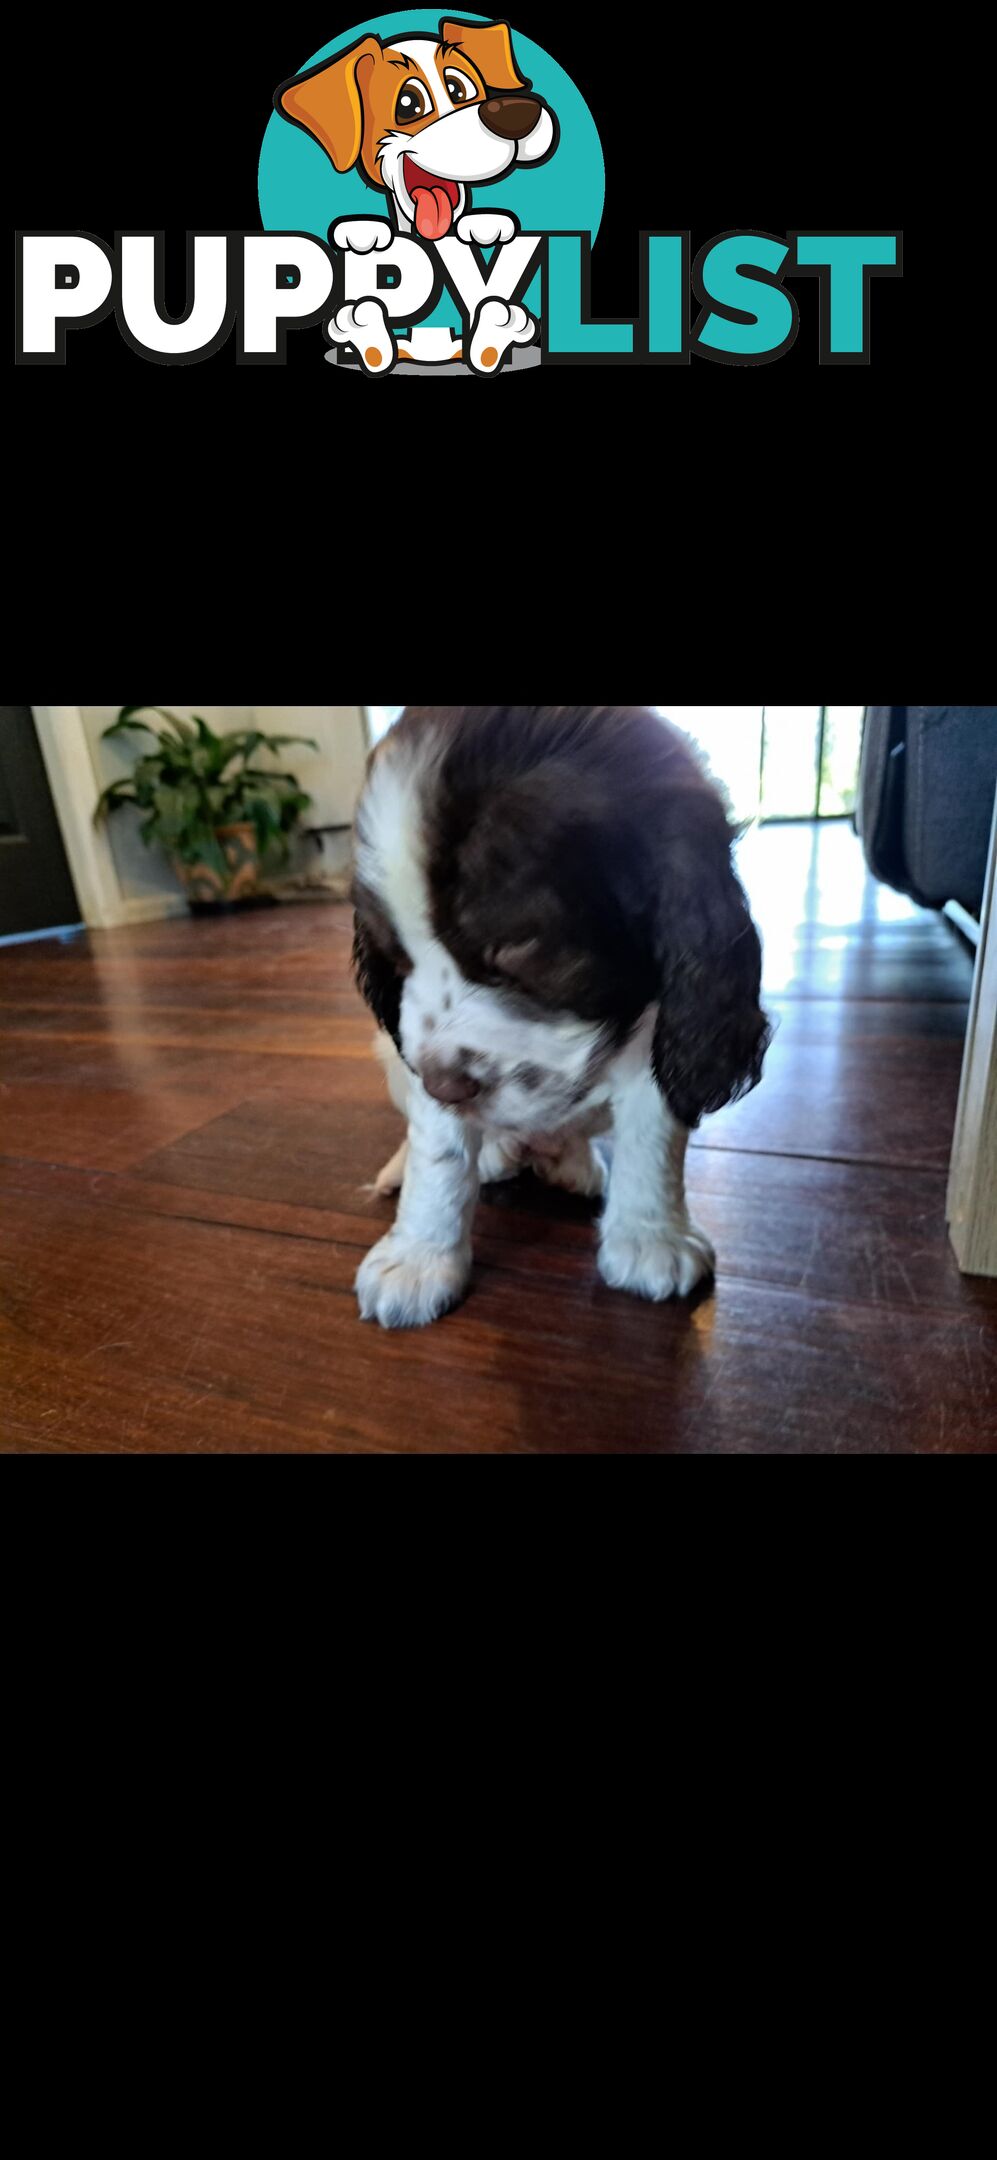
[(580, 1168), (395, 1071), (399, 1079), (392, 1177), (499, 1161)]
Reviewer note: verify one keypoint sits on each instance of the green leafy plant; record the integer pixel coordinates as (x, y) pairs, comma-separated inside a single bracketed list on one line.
[(195, 783)]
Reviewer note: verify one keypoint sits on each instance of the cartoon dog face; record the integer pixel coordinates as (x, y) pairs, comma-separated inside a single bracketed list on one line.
[(460, 97)]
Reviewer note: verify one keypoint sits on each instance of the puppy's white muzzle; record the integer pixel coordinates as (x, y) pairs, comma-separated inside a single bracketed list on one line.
[(460, 147)]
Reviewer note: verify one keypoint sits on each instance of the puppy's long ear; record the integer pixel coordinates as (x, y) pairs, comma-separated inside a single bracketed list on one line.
[(378, 981), (712, 1036), (327, 102), (489, 48)]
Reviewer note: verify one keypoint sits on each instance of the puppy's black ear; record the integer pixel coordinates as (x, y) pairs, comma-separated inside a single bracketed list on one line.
[(712, 1036), (378, 980)]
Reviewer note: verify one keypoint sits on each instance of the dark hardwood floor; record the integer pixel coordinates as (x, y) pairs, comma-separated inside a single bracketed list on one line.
[(189, 1116)]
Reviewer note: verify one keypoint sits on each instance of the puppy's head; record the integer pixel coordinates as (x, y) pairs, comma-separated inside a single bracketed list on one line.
[(424, 117), (531, 882)]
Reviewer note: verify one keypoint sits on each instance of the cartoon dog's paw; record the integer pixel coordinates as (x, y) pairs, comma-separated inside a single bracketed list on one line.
[(405, 1285), (359, 236), (656, 1264), (363, 323), (497, 325), (486, 228)]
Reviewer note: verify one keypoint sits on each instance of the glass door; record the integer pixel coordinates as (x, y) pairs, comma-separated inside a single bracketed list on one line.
[(780, 761)]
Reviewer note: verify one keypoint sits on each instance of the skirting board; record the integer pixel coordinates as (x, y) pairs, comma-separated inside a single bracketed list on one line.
[(155, 909), (130, 914), (963, 921)]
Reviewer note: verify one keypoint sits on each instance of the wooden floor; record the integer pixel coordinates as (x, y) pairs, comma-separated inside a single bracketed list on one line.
[(189, 1116)]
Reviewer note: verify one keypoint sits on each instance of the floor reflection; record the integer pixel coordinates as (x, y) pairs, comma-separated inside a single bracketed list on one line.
[(814, 899)]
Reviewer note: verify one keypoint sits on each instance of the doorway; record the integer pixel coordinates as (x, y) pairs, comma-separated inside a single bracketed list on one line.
[(36, 887)]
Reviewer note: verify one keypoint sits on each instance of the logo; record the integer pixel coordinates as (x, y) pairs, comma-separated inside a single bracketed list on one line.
[(431, 190)]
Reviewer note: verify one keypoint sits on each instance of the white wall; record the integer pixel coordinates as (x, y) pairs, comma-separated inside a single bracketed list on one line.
[(143, 873), (332, 775)]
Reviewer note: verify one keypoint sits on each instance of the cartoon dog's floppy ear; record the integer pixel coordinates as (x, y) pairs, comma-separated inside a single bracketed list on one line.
[(711, 1036), (327, 101), (489, 48)]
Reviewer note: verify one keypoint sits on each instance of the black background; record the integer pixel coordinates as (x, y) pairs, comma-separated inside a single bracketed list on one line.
[(736, 531)]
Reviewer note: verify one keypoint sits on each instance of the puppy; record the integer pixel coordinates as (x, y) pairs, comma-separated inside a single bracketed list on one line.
[(424, 118), (550, 932)]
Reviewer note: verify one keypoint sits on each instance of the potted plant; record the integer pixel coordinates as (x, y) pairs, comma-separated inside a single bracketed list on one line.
[(217, 815)]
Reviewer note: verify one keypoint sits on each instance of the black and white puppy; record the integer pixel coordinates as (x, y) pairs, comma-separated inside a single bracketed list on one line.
[(551, 933)]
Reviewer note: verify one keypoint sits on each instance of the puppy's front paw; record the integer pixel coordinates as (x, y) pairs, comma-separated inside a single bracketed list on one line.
[(486, 228), (365, 325), (361, 236), (656, 1264), (497, 325), (402, 1285)]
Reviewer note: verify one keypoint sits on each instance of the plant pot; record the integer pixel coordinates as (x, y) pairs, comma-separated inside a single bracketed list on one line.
[(204, 885)]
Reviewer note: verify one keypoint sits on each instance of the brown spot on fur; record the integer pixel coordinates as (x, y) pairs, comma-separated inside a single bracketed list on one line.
[(349, 103)]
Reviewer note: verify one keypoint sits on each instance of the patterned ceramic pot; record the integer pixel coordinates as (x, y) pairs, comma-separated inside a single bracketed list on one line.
[(205, 887)]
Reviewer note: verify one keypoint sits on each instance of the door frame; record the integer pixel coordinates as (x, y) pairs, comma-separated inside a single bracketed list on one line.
[(76, 792), (972, 1196), (62, 737)]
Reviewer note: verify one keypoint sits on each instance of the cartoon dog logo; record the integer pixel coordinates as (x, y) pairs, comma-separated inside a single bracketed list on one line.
[(424, 120)]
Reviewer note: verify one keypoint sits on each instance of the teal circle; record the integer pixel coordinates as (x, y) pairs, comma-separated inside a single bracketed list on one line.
[(301, 191)]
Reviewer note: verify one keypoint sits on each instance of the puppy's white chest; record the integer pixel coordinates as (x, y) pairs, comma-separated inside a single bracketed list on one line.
[(585, 1124), (566, 1158)]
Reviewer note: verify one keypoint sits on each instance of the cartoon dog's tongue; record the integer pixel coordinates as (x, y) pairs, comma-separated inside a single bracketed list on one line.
[(435, 200), (432, 212)]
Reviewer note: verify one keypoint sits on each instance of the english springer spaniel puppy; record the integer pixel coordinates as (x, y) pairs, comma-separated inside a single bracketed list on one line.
[(550, 931)]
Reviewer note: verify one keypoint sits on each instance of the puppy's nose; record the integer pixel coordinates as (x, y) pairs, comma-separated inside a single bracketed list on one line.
[(448, 1085), (512, 117)]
